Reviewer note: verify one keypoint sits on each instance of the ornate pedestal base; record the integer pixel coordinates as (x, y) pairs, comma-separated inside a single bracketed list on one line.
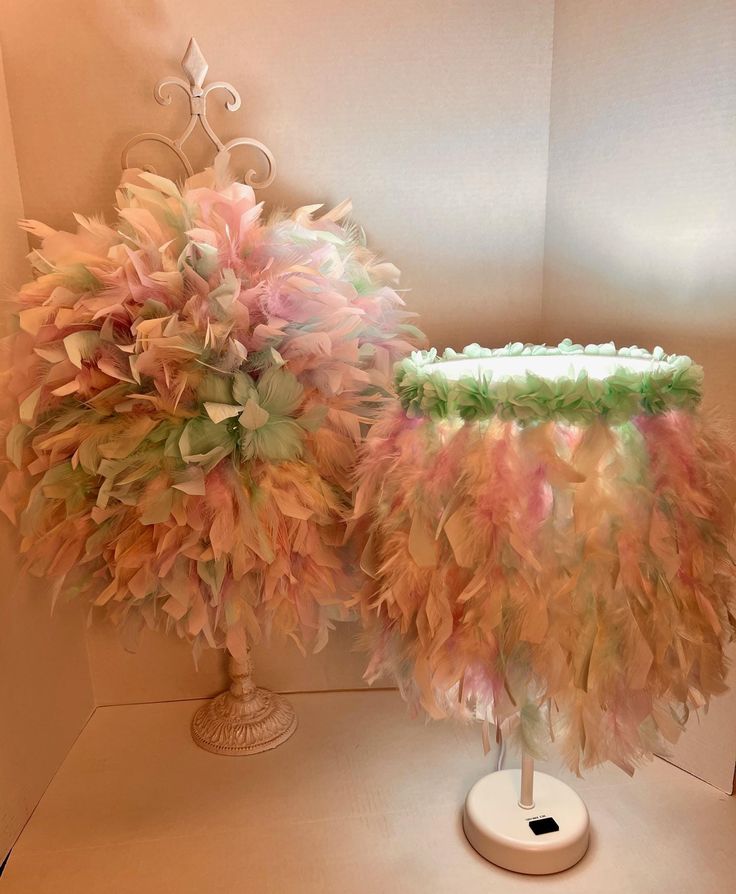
[(245, 719)]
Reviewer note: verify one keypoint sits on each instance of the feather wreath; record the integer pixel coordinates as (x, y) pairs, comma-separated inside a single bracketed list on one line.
[(185, 395), (551, 556)]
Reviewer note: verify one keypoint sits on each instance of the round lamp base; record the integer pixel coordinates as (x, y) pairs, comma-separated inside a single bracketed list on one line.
[(237, 725), (551, 836)]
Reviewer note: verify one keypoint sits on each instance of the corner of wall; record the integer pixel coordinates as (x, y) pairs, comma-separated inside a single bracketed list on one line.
[(46, 694)]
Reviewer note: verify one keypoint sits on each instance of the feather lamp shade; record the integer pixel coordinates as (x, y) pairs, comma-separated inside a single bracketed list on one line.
[(183, 399), (547, 545)]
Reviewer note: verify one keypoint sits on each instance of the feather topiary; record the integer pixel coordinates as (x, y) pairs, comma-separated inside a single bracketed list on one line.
[(183, 402)]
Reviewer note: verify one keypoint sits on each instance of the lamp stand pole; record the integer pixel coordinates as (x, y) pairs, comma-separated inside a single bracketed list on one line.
[(526, 796), (244, 719)]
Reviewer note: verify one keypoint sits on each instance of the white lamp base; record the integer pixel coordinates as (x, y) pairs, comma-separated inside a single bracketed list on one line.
[(499, 829)]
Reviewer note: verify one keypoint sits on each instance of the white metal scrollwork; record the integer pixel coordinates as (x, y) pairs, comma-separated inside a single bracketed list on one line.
[(195, 68)]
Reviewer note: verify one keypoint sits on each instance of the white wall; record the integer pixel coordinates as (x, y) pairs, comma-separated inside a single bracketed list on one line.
[(433, 117), (45, 686), (641, 211)]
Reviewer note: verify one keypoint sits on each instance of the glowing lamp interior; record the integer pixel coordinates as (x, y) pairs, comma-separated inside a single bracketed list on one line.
[(546, 366)]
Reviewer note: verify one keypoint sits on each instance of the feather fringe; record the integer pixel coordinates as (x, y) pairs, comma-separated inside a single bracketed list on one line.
[(567, 584)]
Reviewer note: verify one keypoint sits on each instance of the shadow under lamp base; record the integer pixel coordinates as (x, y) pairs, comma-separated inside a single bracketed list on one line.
[(549, 836)]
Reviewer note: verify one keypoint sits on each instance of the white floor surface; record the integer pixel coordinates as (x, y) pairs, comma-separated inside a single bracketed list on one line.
[(362, 800)]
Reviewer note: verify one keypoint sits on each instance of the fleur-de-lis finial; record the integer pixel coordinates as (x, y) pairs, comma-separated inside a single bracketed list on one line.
[(195, 67), (194, 64)]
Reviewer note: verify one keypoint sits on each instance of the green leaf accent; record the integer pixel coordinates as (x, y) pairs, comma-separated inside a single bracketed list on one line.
[(244, 388), (279, 440), (215, 387), (204, 441), (253, 417), (279, 391)]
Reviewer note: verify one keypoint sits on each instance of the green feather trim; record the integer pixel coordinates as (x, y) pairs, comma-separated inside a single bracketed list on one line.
[(674, 383)]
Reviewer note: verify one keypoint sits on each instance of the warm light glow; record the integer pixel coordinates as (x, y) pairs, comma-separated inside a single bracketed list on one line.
[(546, 366)]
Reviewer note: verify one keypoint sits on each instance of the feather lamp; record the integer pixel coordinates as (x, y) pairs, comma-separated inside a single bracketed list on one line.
[(183, 400), (547, 536)]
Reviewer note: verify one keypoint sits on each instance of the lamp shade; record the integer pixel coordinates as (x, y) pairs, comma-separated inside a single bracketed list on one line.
[(183, 401), (547, 539)]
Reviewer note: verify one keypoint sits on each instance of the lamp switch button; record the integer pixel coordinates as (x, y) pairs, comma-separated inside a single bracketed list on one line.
[(543, 826)]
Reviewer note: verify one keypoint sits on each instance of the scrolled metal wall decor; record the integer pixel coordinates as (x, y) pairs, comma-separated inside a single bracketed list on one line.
[(195, 67)]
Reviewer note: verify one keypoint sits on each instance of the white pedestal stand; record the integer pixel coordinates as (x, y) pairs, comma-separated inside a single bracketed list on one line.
[(526, 822), (244, 719)]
